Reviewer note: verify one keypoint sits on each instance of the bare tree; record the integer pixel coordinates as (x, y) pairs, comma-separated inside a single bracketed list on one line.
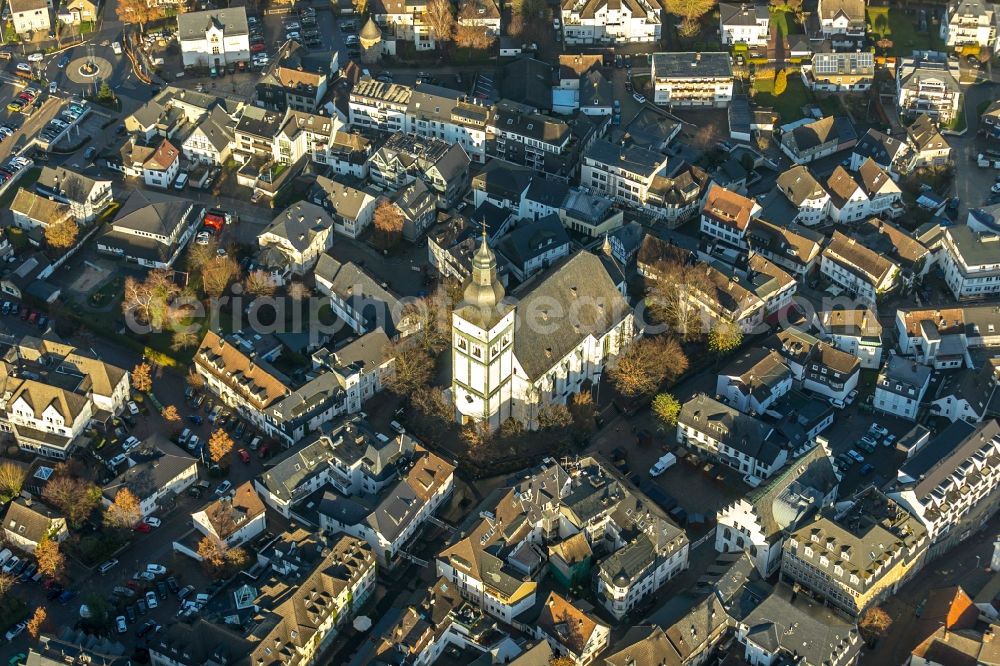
[(674, 278), (75, 497), (148, 301), (440, 18), (554, 416), (413, 367), (217, 274), (258, 283)]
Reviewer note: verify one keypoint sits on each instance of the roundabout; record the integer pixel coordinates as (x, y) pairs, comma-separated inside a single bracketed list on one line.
[(86, 68)]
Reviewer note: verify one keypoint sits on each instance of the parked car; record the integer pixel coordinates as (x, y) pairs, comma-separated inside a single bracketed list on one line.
[(15, 631), (121, 624), (244, 456), (223, 488), (149, 628), (156, 569), (133, 408), (151, 601), (152, 521), (172, 585)]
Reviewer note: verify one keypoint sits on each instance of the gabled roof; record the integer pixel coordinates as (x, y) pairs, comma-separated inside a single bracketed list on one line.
[(300, 224), (247, 376), (566, 624), (194, 25), (798, 185), (924, 134), (30, 519), (851, 254)]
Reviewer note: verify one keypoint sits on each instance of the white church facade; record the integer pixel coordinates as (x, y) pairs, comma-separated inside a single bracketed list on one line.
[(512, 356)]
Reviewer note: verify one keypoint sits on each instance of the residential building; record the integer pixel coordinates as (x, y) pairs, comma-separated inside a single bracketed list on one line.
[(692, 79), (157, 163), (502, 184), (840, 72), (403, 158), (804, 192), (156, 473), (442, 113), (759, 522), (789, 626), (842, 20), (254, 135), (270, 615), (28, 522), (745, 297), (970, 262), (418, 206), (743, 442), (808, 141), (726, 214), (521, 136), (853, 557), (86, 197), (885, 199), (33, 211), (754, 381), (857, 332), (589, 213), (499, 571), (893, 155), (294, 80), (214, 38), (534, 246), (744, 23), (901, 386), (624, 173), (899, 246), (822, 368), (950, 485), (379, 106), (151, 229), (859, 271), (930, 148), (53, 391), (232, 520), (968, 394), (211, 141), (403, 20), (970, 23), (928, 87), (75, 12), (849, 200), (301, 232), (389, 521), (351, 209), (571, 631), (359, 299), (244, 382), (480, 13), (501, 370), (30, 16), (604, 22), (943, 337), (795, 249)]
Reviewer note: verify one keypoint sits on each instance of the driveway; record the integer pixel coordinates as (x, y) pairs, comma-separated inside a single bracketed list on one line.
[(971, 182)]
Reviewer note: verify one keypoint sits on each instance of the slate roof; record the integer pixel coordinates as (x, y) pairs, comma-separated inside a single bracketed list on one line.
[(529, 240), (151, 212), (692, 65), (30, 519), (797, 625), (924, 134), (580, 277), (880, 147), (362, 292), (720, 422), (299, 224), (789, 242), (194, 25), (157, 462), (744, 14), (775, 504)]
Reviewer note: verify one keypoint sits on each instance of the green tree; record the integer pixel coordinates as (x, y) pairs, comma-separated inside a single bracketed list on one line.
[(780, 83), (105, 93), (666, 407)]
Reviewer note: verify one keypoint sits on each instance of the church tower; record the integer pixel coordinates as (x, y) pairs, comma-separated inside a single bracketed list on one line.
[(482, 346)]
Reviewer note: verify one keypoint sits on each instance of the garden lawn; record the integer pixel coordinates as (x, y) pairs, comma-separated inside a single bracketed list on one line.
[(789, 104), (893, 23)]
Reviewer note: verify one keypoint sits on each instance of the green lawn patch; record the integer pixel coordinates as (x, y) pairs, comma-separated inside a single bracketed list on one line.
[(788, 105), (893, 23), (779, 19), (109, 292), (958, 124)]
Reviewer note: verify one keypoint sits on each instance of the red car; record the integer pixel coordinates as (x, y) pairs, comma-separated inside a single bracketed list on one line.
[(32, 317), (257, 48), (244, 456), (143, 528)]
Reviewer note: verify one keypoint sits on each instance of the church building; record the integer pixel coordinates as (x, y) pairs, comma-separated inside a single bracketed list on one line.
[(513, 355)]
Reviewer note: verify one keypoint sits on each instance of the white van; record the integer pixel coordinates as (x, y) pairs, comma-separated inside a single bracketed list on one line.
[(107, 566), (181, 182), (116, 47)]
